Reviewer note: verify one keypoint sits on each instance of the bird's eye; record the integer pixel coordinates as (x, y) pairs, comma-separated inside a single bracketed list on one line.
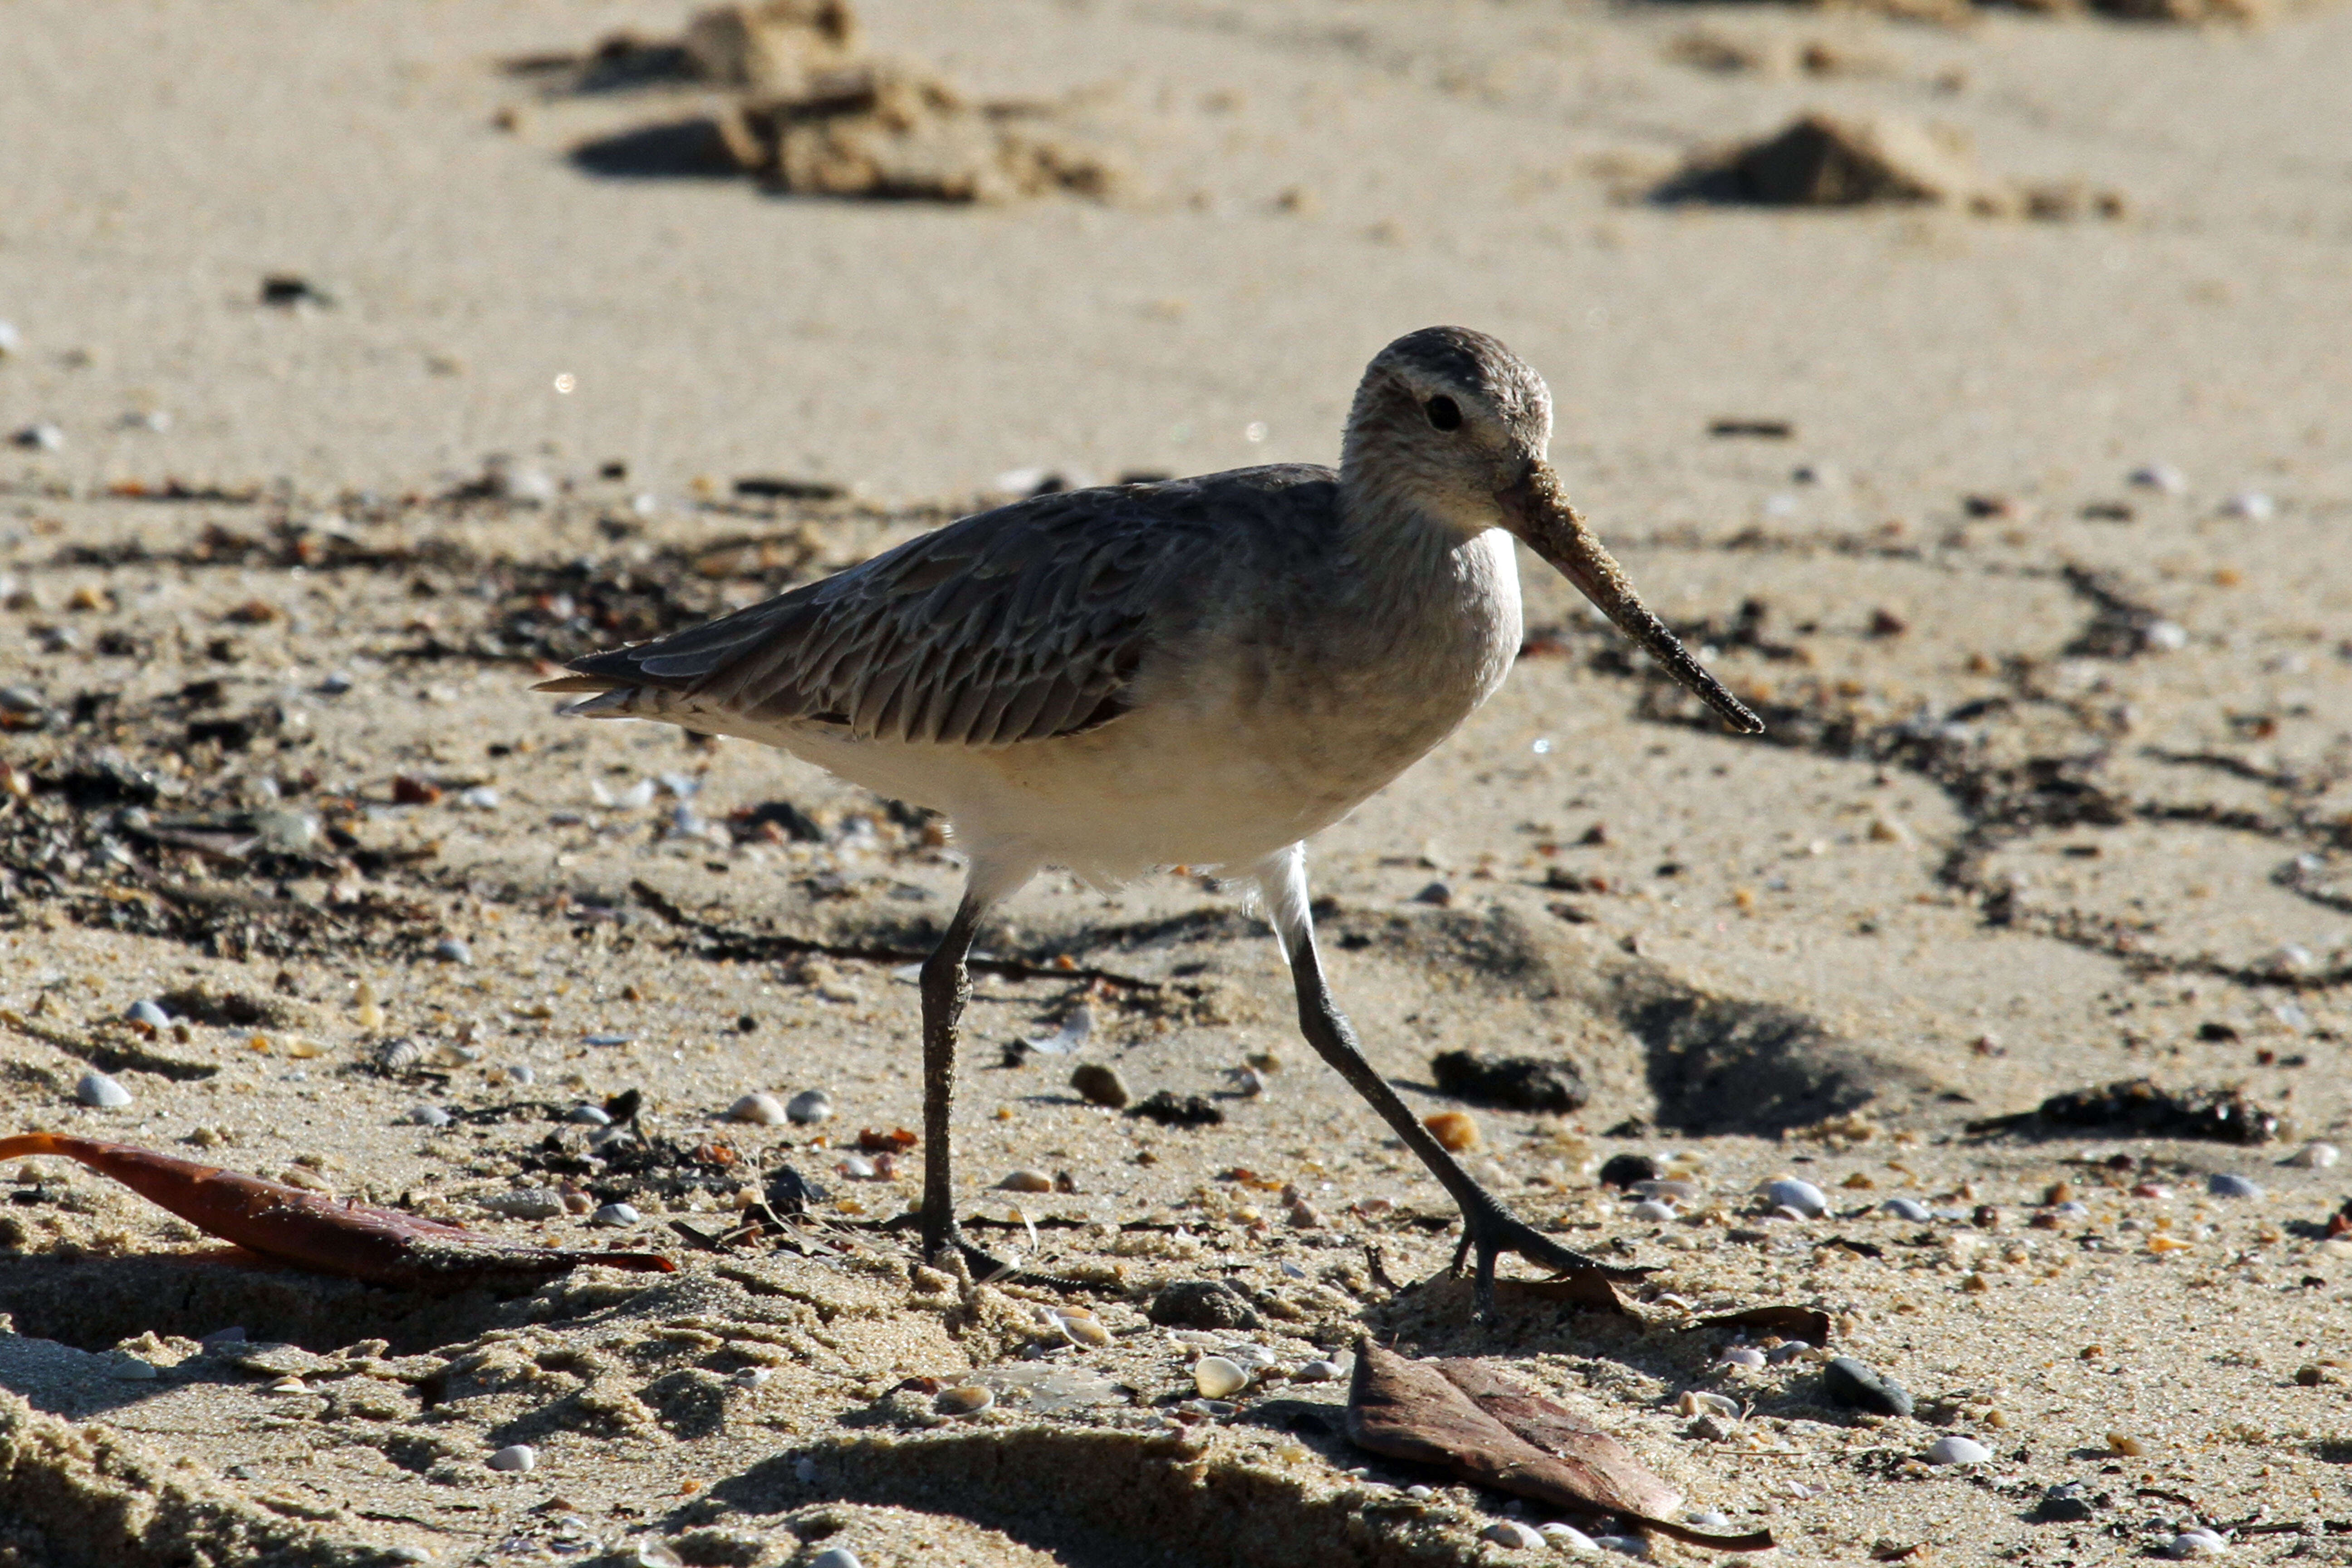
[(1444, 411)]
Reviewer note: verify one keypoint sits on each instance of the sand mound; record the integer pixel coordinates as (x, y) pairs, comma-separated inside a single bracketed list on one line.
[(1821, 159)]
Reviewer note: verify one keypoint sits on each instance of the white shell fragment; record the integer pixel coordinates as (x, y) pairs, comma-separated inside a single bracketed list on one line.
[(1026, 1182), (615, 1215), (590, 1116), (1565, 1538), (810, 1107), (1958, 1451), (2316, 1157), (836, 1557), (1911, 1209), (758, 1109), (1801, 1198), (1511, 1534), (2195, 1543), (1216, 1377), (1655, 1210), (96, 1088), (1317, 1372), (148, 1013), (516, 1456), (2224, 1185), (968, 1400), (427, 1116), (1742, 1356)]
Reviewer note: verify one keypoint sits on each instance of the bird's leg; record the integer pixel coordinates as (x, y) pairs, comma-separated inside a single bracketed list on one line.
[(947, 986), (1489, 1228)]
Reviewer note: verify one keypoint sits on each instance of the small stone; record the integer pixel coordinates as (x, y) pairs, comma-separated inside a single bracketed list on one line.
[(1565, 1538), (1099, 1085), (2251, 505), (1026, 1182), (1742, 1356), (2195, 1543), (1802, 1197), (148, 1013), (1216, 1376), (1510, 1534), (1910, 1209), (758, 1109), (810, 1107), (481, 797), (1317, 1372), (836, 1557), (1626, 1170), (1958, 1451), (1515, 1083), (1623, 1545), (132, 1369), (2223, 1185), (519, 1457), (2162, 477), (427, 1116), (1456, 1130), (2316, 1157), (1655, 1210), (615, 1216), (2062, 1504), (970, 1399), (528, 1203), (1437, 894), (1858, 1388), (590, 1116), (2126, 1446), (42, 436), (1204, 1304), (96, 1089), (449, 950)]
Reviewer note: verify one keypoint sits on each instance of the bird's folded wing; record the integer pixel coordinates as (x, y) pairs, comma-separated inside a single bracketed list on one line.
[(1012, 624)]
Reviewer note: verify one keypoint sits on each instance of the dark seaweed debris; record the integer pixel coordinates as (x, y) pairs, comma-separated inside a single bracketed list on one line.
[(1515, 1083), (1171, 1109), (2138, 1108)]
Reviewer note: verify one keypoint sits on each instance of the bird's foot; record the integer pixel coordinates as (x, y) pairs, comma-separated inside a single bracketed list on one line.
[(1489, 1230)]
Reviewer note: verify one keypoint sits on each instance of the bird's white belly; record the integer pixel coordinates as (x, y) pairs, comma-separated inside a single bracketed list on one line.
[(1222, 761)]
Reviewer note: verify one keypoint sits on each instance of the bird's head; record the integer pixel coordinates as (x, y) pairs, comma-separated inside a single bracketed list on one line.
[(1454, 425)]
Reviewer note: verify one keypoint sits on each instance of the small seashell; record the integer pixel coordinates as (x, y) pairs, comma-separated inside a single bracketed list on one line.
[(1654, 1210), (521, 1072), (1623, 1545), (2126, 1446), (1694, 1402), (970, 1399), (1317, 1372), (520, 1457), (590, 1116), (2316, 1157), (41, 437), (1455, 1131), (1215, 1376), (810, 1107), (427, 1116), (1565, 1538), (148, 1013), (1910, 1209), (449, 950), (857, 1168), (1510, 1534), (1026, 1182), (1083, 1331), (759, 1109), (836, 1557), (1800, 1197), (527, 1202), (1670, 1191), (399, 1055), (2251, 505), (1742, 1356), (2224, 1185), (2195, 1543), (95, 1089), (1420, 1493), (1958, 1451), (615, 1216), (1247, 1081), (1861, 1387), (1099, 1085), (481, 797), (652, 1552)]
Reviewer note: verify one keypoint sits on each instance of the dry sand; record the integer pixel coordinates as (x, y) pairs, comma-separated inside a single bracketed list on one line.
[(2059, 790)]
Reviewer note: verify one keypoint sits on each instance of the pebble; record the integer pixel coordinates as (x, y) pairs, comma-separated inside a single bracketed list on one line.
[(1215, 1377), (522, 1072), (2316, 1157), (481, 797), (449, 950), (1510, 1533), (2195, 1543), (427, 1116), (519, 1457), (1623, 1545), (1565, 1538), (970, 1399), (1858, 1388), (148, 1013), (609, 1040), (1455, 1131), (615, 1216), (1628, 1170), (1420, 1493), (2160, 476), (96, 1088), (10, 339), (1317, 1372), (836, 1557), (132, 1369), (2072, 1209), (1742, 1356), (1802, 1197), (1958, 1451), (1653, 1209), (813, 1106), (759, 1109), (2251, 505), (1911, 1209), (1100, 1085), (590, 1116), (42, 438), (2223, 1185), (1026, 1182), (2062, 1504)]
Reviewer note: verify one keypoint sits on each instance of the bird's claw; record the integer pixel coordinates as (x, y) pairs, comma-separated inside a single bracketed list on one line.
[(1489, 1233)]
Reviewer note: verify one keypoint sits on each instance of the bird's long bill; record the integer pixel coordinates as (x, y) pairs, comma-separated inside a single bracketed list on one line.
[(1539, 514)]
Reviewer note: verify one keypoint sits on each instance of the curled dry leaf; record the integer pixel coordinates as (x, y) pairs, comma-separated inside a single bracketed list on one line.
[(318, 1230), (1468, 1417)]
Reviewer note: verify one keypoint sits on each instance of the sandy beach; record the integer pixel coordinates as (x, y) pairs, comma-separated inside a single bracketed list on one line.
[(364, 363)]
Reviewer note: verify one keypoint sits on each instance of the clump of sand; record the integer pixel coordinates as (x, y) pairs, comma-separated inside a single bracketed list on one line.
[(1821, 159)]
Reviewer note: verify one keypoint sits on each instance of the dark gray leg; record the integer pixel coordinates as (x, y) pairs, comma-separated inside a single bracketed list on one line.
[(1487, 1227), (947, 986)]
